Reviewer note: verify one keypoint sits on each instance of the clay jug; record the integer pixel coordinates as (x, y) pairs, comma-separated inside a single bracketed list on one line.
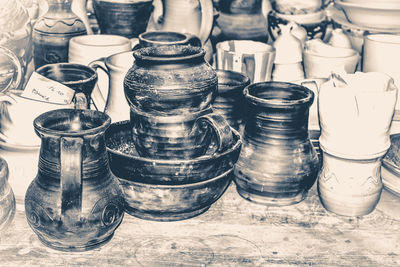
[(74, 203), (186, 16), (7, 199), (170, 80), (52, 32), (277, 164)]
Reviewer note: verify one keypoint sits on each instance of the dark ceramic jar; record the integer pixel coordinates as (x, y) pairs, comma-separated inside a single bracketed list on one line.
[(170, 80), (277, 164)]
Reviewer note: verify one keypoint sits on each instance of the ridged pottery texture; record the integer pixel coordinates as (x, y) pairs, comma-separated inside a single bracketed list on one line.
[(7, 199), (277, 164), (75, 202), (170, 80)]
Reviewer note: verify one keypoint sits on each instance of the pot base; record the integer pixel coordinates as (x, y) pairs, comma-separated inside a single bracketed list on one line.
[(347, 205), (78, 247), (165, 217), (267, 198)]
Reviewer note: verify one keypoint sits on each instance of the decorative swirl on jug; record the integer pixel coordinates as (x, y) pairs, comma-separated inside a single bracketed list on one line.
[(36, 214), (111, 213)]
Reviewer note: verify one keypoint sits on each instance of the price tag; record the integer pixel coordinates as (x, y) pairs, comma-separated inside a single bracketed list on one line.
[(42, 88)]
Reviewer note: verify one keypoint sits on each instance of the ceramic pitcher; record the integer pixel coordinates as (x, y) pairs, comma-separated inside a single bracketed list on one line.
[(74, 203), (187, 16), (7, 199)]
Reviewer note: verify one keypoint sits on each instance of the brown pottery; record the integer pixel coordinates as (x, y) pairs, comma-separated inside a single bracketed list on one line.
[(277, 164), (75, 202), (168, 190), (170, 80), (159, 38)]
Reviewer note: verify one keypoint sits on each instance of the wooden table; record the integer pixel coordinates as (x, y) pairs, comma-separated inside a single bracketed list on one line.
[(233, 232)]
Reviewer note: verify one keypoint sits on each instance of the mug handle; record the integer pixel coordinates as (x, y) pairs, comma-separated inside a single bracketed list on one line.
[(100, 64), (71, 178), (221, 128), (207, 19)]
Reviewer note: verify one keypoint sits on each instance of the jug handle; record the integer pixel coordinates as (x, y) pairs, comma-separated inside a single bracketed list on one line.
[(71, 178), (207, 19), (221, 128), (265, 7), (17, 82), (100, 64)]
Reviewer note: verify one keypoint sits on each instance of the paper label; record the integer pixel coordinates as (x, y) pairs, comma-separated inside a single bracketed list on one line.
[(44, 89)]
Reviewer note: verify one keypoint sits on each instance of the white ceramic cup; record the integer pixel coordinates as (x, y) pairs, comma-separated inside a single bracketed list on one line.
[(87, 48), (251, 58), (116, 66), (381, 53)]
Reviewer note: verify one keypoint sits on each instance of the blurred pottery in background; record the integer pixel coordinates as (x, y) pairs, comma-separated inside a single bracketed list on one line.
[(88, 48), (230, 101), (390, 170), (277, 164), (128, 18), (115, 66), (74, 203), (11, 72), (251, 58), (164, 189), (7, 199)]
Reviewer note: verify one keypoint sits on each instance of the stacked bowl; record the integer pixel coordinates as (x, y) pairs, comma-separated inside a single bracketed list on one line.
[(174, 157)]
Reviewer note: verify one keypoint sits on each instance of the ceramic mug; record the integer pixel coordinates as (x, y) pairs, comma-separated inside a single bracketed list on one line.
[(381, 53), (87, 48), (184, 136), (251, 58), (18, 114), (80, 78), (116, 66)]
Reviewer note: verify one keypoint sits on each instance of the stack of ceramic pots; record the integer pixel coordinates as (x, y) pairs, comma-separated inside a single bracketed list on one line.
[(174, 158), (354, 139)]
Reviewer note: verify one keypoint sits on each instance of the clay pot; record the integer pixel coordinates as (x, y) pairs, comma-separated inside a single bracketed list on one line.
[(7, 199), (158, 38), (168, 190), (277, 164), (74, 203), (125, 162), (170, 80), (230, 101)]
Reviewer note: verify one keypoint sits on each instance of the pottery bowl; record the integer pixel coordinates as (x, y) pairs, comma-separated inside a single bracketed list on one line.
[(126, 163)]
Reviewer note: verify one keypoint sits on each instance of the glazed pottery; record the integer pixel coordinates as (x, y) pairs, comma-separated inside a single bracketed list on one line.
[(158, 38), (360, 128), (350, 187), (128, 18), (277, 164), (354, 140), (320, 59), (74, 203), (16, 34), (187, 16), (339, 39), (230, 101), (315, 23), (52, 32), (168, 190), (116, 66), (7, 199), (381, 53), (88, 48), (170, 80), (79, 77), (125, 162), (183, 136), (243, 20), (296, 6), (390, 172), (11, 72), (18, 114), (251, 58)]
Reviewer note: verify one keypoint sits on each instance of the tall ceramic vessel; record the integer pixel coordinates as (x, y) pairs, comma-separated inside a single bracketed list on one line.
[(277, 164), (52, 32), (74, 203)]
